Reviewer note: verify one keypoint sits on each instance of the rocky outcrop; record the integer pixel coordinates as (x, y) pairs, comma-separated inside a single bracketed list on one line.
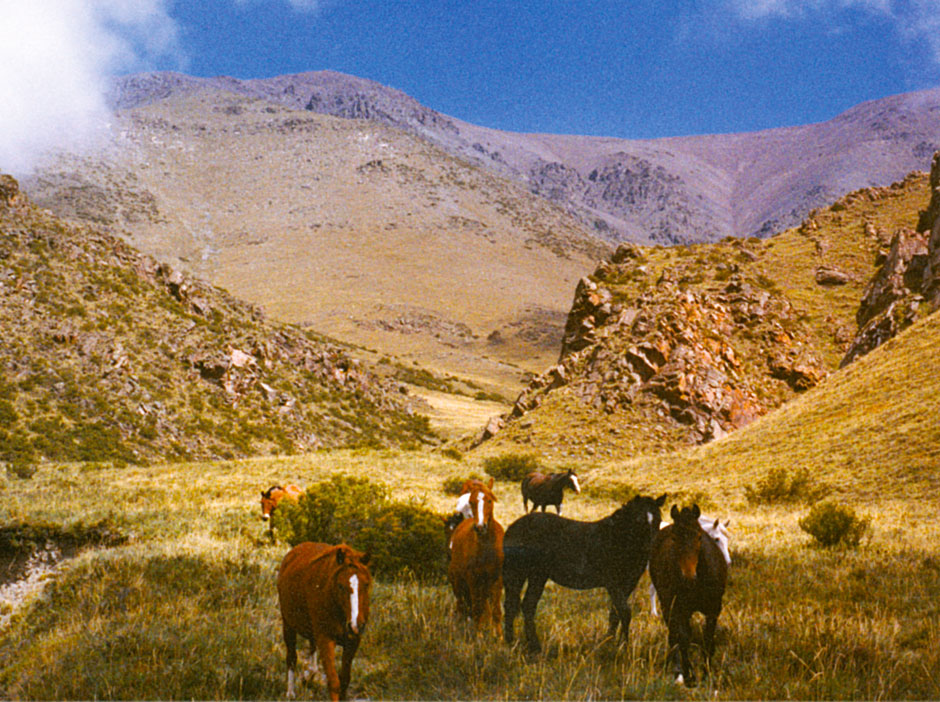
[(109, 355), (684, 353), (908, 283)]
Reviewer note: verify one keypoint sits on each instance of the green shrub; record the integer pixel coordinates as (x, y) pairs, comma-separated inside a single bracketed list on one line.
[(404, 538), (781, 485), (510, 466), (832, 524), (453, 453)]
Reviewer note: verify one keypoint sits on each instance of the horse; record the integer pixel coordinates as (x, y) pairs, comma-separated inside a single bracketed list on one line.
[(323, 593), (611, 553), (715, 530), (476, 561), (689, 572), (274, 494), (546, 490)]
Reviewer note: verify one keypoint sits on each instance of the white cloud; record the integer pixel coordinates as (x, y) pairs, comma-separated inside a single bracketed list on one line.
[(55, 57)]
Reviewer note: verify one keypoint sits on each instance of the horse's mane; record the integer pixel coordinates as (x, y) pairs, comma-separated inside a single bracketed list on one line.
[(267, 493)]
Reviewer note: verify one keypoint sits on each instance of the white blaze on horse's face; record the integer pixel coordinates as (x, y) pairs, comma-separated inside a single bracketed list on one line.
[(463, 506), (574, 482), (354, 603), (480, 509)]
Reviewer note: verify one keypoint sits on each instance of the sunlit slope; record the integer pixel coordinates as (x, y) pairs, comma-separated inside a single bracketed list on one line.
[(740, 324), (354, 228), (870, 432)]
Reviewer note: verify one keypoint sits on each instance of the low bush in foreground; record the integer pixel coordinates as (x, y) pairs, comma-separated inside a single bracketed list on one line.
[(832, 524), (404, 538)]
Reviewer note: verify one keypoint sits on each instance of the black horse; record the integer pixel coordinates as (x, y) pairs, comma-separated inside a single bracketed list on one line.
[(611, 553), (546, 490), (689, 572)]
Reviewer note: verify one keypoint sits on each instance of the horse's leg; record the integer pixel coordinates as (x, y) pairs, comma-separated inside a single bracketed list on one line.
[(496, 589), (512, 591), (711, 622), (326, 647), (349, 651), (619, 612), (558, 508), (530, 602), (680, 635), (290, 640), (653, 599)]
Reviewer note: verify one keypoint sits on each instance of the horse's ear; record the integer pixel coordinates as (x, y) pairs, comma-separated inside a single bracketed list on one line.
[(490, 486), (366, 557), (727, 523), (696, 512), (674, 512), (262, 493), (716, 524), (340, 555), (661, 500)]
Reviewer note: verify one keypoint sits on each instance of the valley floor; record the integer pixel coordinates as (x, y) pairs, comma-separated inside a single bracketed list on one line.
[(186, 606)]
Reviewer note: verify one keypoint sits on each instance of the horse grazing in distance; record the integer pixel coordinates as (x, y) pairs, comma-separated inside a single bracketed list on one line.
[(689, 573), (611, 553), (714, 529), (323, 592), (546, 490), (274, 494), (476, 561)]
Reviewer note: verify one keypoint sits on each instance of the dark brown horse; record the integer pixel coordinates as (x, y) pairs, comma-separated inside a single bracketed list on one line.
[(689, 573), (546, 490), (323, 593), (476, 561), (611, 553), (274, 494)]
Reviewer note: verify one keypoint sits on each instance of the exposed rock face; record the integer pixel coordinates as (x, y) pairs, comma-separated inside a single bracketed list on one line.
[(908, 283), (678, 352)]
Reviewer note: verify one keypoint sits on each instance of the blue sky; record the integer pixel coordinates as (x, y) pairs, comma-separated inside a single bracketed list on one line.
[(626, 68), (630, 68)]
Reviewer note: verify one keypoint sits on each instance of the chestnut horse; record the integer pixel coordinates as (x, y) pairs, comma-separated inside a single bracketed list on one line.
[(546, 490), (274, 494), (611, 553), (476, 561), (714, 529), (689, 573), (323, 592)]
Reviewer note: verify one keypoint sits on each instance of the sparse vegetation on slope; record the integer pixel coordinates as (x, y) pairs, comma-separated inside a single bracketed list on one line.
[(682, 345), (109, 356)]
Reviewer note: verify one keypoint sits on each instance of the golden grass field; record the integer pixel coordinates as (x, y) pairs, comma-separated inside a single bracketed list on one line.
[(187, 607)]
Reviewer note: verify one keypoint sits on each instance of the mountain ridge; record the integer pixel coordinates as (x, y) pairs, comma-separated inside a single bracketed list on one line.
[(719, 184)]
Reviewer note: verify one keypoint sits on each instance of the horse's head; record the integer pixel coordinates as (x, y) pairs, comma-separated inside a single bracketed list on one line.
[(719, 534), (641, 516), (481, 507), (572, 480), (352, 583), (269, 500), (688, 538)]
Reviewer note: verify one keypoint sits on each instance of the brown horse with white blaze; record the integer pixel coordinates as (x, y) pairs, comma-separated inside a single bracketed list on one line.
[(271, 497), (476, 561), (689, 572), (323, 592)]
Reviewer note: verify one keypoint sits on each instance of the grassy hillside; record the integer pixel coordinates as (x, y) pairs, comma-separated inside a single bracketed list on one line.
[(668, 342), (109, 356), (356, 229)]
